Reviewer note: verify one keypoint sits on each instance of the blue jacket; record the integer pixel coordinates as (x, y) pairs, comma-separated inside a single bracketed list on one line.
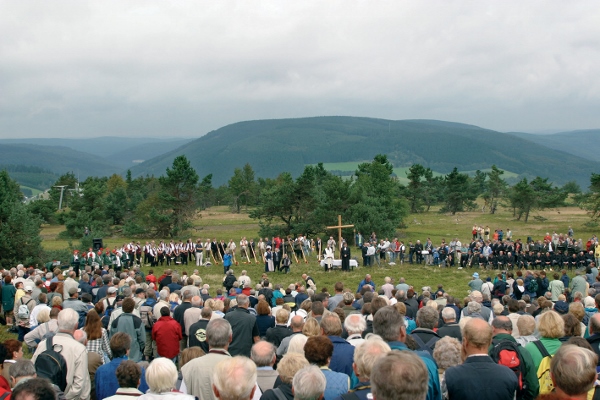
[(343, 355), (433, 392), (106, 379), (337, 384), (363, 283)]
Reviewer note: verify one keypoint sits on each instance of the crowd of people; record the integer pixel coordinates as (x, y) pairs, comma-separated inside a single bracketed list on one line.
[(115, 331)]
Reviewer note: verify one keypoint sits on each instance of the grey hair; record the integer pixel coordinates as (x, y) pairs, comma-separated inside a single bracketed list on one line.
[(218, 332), (355, 323), (448, 314), (309, 383), (234, 378), (262, 353), (196, 301), (387, 323), (242, 300), (427, 317), (22, 368), (163, 295), (473, 307), (67, 320)]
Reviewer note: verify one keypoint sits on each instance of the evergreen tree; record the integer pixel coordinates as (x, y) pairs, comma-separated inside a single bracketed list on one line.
[(177, 196), (458, 193), (375, 200), (495, 188), (20, 240)]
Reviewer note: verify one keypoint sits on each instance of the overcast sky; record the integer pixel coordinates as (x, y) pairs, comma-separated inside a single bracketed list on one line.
[(184, 68)]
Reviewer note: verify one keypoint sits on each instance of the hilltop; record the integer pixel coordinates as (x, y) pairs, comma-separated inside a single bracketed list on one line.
[(273, 146)]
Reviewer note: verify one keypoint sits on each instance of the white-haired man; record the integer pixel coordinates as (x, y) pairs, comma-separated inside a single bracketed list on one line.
[(355, 324), (234, 379), (74, 353), (309, 383)]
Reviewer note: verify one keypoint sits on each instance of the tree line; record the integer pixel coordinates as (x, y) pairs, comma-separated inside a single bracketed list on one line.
[(372, 199)]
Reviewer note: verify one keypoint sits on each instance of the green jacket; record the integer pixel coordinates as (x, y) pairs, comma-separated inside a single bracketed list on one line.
[(530, 379)]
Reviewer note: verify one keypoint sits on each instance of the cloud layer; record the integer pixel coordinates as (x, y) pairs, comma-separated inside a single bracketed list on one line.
[(76, 68)]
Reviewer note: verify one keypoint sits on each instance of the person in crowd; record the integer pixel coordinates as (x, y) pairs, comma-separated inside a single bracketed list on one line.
[(343, 352), (162, 377), (470, 380), (573, 372), (166, 332), (390, 325), (502, 331), (106, 378), (197, 374), (47, 328), (309, 383), (287, 368), (234, 378), (74, 353), (133, 326), (36, 389), (447, 353), (128, 374), (14, 353), (22, 310), (98, 341), (399, 375), (318, 350), (244, 327), (263, 355), (365, 356), (296, 326), (551, 328), (264, 319), (280, 331)]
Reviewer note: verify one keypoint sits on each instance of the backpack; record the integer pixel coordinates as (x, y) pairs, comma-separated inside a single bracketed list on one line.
[(428, 347), (109, 309), (532, 286), (147, 315), (268, 293), (50, 364), (506, 352), (543, 372), (81, 320), (23, 310)]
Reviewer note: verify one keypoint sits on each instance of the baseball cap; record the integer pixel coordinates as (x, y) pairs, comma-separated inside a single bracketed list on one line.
[(28, 288), (139, 290), (476, 275), (111, 290)]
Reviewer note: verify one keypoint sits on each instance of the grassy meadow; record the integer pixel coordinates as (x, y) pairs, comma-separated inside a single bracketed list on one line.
[(220, 223)]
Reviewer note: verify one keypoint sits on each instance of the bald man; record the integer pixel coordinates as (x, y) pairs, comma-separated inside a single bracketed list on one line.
[(471, 380)]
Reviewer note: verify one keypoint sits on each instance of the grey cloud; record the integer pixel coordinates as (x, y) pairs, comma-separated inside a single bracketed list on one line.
[(185, 68)]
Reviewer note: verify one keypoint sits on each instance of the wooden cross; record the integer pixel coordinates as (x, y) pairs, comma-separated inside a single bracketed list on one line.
[(339, 228)]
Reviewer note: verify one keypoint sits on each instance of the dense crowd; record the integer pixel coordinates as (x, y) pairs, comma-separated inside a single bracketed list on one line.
[(105, 328)]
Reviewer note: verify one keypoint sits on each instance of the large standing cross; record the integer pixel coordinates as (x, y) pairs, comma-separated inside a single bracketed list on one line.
[(339, 228)]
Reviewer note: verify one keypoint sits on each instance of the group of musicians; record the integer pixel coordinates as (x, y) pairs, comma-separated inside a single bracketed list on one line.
[(202, 252)]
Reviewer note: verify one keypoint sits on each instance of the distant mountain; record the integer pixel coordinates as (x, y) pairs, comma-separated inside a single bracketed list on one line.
[(273, 146), (57, 159), (582, 143), (121, 152), (145, 151)]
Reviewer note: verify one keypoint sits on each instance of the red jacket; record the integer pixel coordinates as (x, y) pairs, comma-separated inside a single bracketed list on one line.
[(166, 332)]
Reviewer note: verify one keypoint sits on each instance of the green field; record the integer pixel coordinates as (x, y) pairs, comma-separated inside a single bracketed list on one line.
[(218, 222)]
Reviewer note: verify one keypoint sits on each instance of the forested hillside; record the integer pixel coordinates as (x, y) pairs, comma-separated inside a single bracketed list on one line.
[(273, 146), (583, 143), (57, 159)]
